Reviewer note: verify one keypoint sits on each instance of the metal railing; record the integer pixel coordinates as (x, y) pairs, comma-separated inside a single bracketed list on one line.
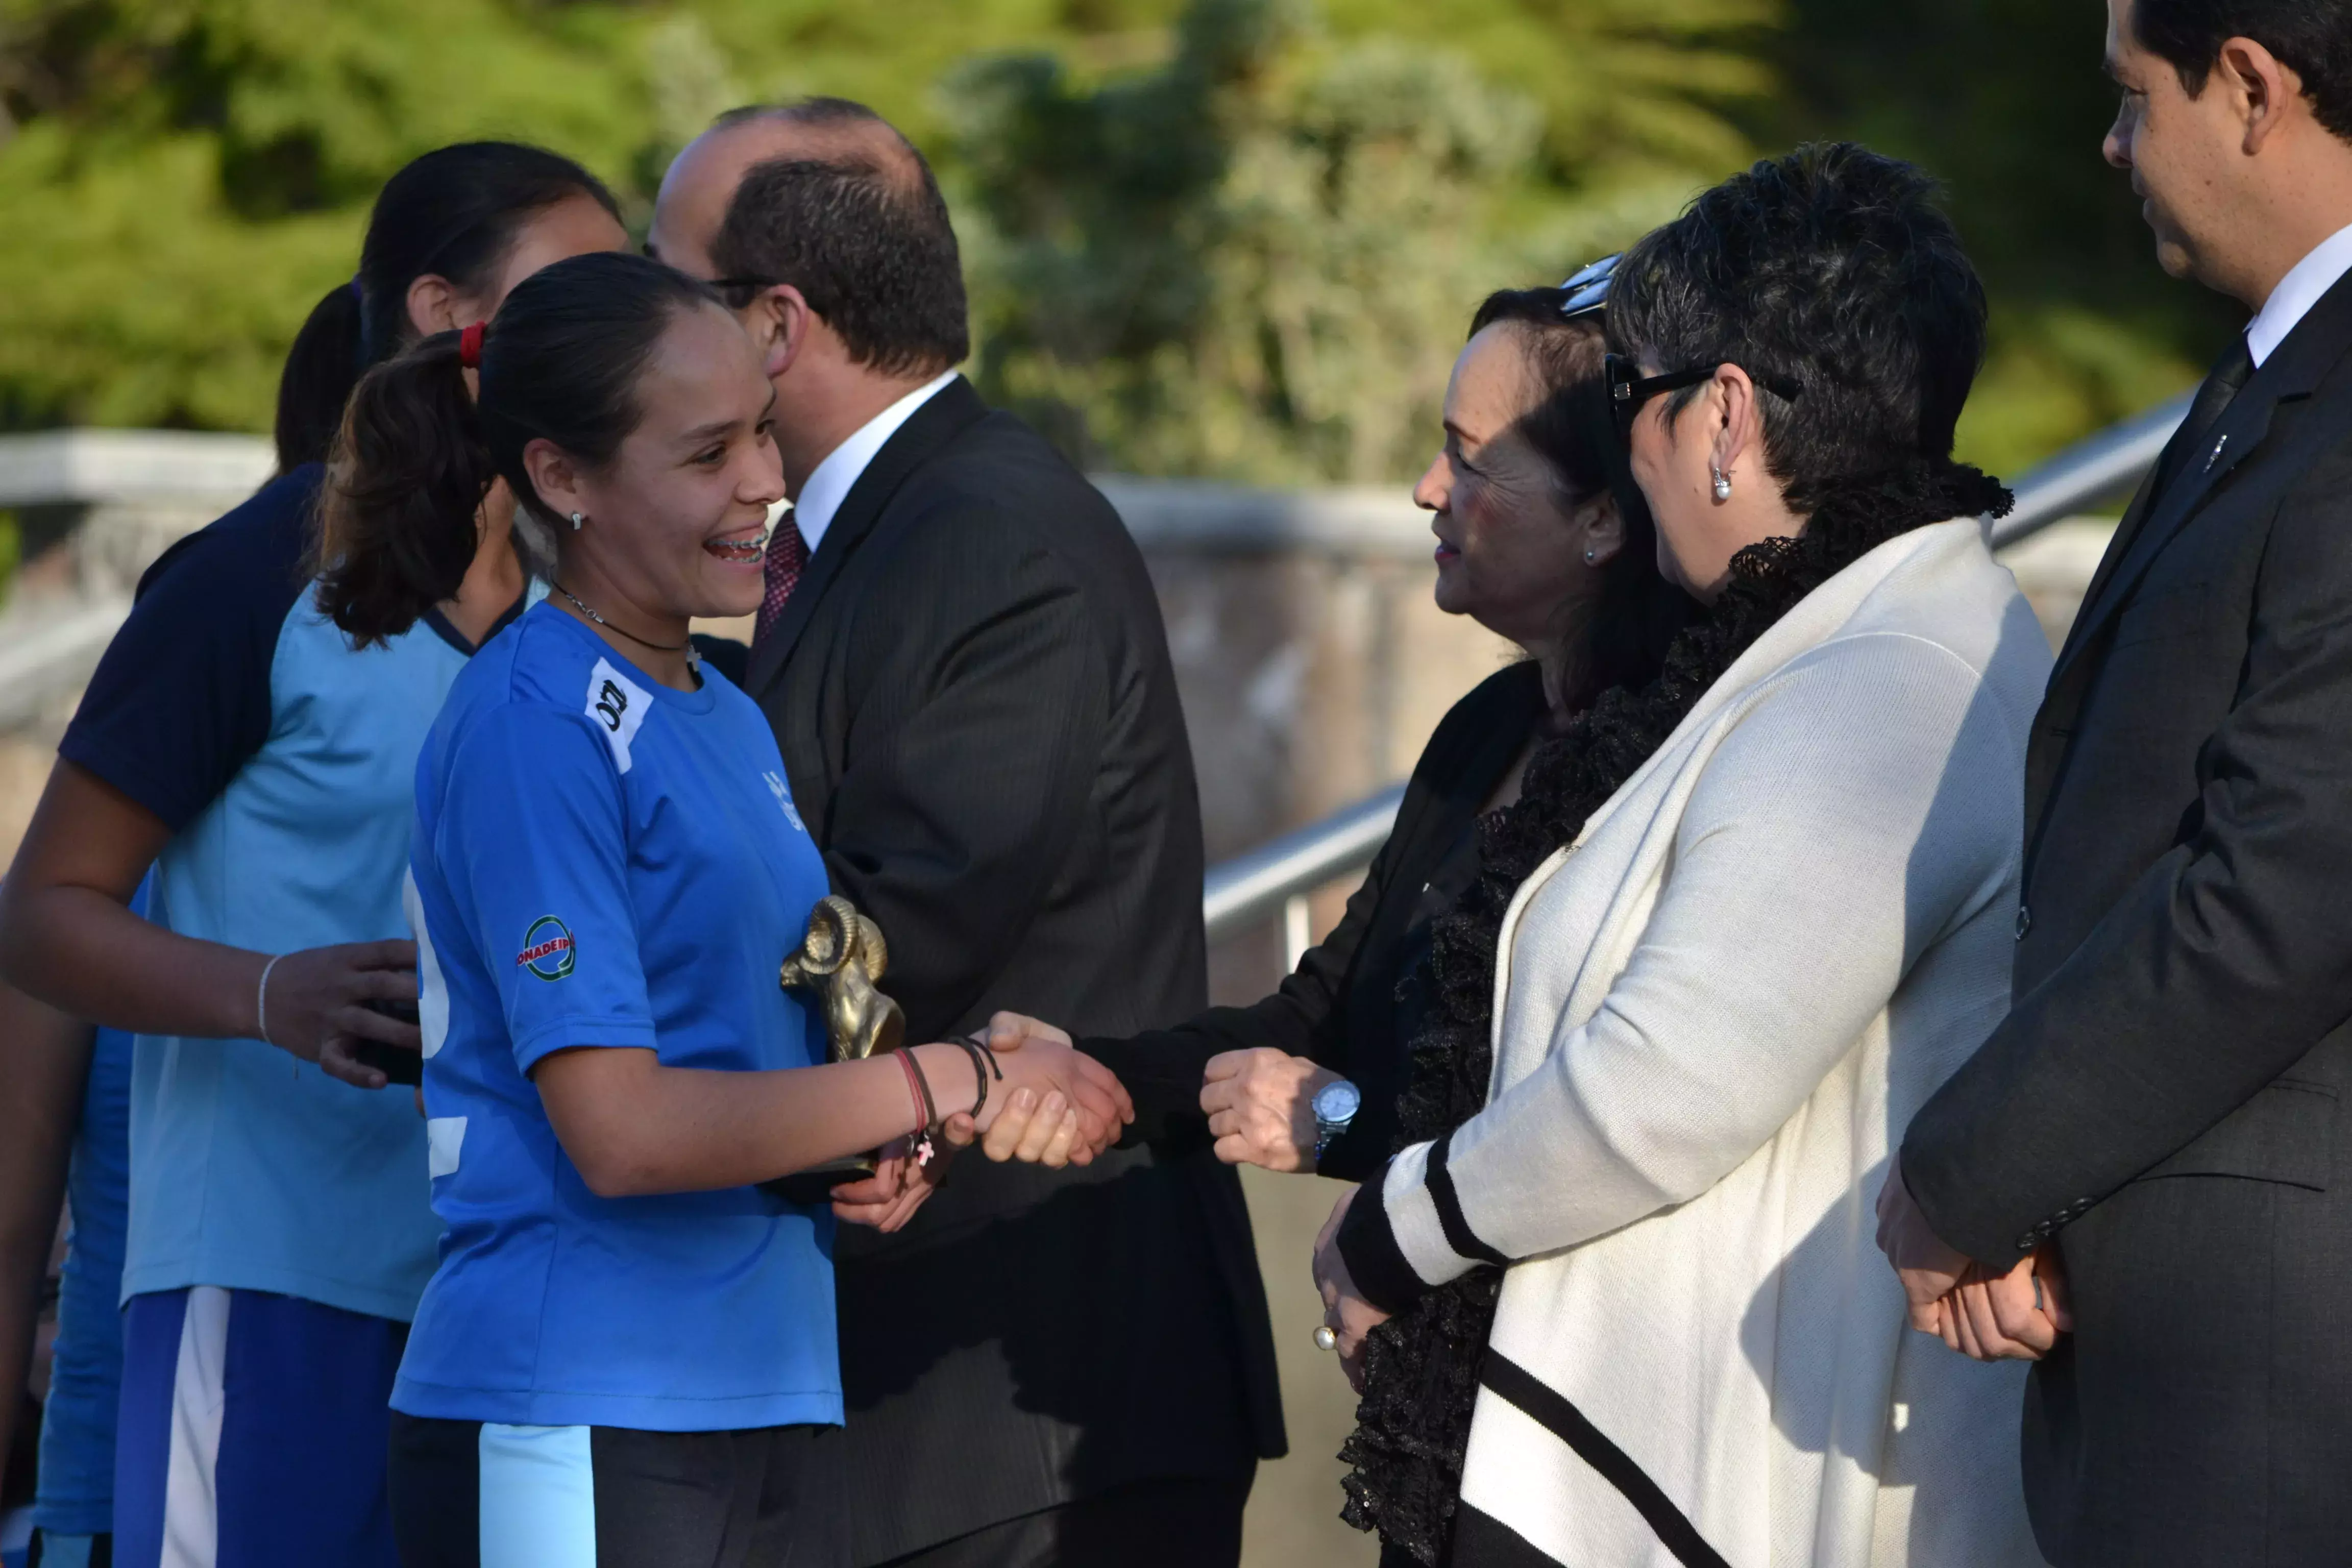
[(1280, 875)]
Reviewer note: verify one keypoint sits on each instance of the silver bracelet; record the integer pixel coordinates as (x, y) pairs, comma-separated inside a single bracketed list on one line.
[(261, 1002)]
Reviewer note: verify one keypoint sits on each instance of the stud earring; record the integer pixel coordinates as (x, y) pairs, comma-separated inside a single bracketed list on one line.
[(577, 520), (1591, 554), (1722, 486)]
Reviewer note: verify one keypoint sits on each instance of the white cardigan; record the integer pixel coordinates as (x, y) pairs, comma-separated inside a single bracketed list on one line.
[(1715, 1015)]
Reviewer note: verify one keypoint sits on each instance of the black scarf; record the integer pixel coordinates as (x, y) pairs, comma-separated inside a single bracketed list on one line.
[(1420, 1368)]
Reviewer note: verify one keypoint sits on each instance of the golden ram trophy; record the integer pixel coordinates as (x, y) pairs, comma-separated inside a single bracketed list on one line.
[(835, 969)]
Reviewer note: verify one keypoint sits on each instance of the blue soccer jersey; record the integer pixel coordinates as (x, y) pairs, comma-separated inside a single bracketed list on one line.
[(601, 861)]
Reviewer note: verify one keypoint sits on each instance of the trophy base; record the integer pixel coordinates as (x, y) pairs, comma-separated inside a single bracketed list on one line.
[(814, 1186)]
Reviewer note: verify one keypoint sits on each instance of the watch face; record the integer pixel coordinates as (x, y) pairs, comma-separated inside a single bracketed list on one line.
[(1337, 1101)]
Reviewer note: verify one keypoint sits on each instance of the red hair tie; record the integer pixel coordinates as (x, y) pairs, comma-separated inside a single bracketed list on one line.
[(469, 346)]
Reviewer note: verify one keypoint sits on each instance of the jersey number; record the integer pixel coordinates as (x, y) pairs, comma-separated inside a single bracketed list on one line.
[(612, 703)]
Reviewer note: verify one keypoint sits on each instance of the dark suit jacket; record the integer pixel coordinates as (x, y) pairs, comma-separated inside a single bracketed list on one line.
[(1341, 1007), (2166, 1095), (972, 689)]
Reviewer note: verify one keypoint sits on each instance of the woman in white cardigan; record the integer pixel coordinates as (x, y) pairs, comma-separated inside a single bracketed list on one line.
[(1739, 926)]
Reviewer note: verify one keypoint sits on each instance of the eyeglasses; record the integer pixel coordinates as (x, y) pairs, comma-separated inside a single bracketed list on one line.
[(1629, 388)]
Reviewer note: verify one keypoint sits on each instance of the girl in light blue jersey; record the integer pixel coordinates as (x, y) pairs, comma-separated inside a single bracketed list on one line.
[(626, 1357), (278, 1233)]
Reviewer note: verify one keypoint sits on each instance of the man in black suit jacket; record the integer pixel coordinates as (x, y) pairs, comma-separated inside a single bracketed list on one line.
[(972, 689), (2150, 1138)]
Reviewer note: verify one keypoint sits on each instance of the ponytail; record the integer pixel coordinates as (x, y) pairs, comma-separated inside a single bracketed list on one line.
[(320, 370), (397, 518)]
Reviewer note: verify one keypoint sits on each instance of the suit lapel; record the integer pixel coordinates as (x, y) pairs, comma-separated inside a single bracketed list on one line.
[(2292, 372), (2134, 518), (954, 409), (2236, 434)]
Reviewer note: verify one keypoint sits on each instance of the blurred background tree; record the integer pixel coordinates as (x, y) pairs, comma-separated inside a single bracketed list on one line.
[(1234, 238), (1254, 260), (2003, 99)]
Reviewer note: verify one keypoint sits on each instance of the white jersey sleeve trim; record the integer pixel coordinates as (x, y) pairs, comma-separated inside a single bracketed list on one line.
[(432, 990), (618, 706)]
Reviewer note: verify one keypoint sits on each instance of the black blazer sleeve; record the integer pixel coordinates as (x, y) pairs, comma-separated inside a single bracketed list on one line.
[(1309, 1015), (950, 827), (2224, 965), (1305, 1016)]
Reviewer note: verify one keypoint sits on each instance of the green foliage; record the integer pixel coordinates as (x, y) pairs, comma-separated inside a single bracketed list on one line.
[(2003, 99), (1251, 261), (1255, 259), (180, 179), (185, 179), (1221, 236)]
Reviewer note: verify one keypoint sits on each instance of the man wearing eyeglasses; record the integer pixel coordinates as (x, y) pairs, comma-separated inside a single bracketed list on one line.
[(964, 664)]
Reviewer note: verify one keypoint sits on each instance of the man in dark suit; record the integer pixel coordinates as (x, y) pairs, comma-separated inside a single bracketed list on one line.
[(963, 660), (2150, 1138)]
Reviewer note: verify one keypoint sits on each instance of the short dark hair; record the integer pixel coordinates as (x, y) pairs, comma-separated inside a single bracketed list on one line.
[(2311, 39), (867, 239), (560, 363), (1832, 272), (455, 212)]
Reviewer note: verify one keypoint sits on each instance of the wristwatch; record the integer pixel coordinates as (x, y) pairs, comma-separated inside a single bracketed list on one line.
[(1336, 1105)]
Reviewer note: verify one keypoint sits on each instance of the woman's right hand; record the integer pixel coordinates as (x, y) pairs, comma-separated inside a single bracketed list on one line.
[(1261, 1106), (316, 1007)]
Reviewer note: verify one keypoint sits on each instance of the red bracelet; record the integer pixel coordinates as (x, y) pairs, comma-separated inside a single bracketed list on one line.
[(918, 1090)]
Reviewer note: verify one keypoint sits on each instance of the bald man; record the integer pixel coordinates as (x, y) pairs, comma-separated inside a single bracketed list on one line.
[(963, 661)]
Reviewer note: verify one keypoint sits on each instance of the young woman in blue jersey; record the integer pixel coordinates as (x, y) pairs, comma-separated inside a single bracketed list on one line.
[(233, 738), (626, 1357)]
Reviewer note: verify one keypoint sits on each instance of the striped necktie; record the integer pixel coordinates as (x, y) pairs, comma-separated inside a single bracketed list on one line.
[(787, 555)]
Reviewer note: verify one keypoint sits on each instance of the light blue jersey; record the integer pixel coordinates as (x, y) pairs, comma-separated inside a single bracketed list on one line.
[(284, 760), (601, 861)]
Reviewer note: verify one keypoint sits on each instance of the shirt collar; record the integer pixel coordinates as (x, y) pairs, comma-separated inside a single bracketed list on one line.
[(829, 484), (2297, 292)]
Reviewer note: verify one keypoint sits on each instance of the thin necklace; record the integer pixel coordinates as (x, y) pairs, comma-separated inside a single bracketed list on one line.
[(693, 658)]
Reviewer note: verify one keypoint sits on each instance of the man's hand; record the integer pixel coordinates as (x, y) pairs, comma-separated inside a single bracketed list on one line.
[(2015, 1316), (1929, 1267), (1261, 1108), (1345, 1314)]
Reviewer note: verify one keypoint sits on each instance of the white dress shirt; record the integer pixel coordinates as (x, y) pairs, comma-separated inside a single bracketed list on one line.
[(2297, 292), (828, 486)]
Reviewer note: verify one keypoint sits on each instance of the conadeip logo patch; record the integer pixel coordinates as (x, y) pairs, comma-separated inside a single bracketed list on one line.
[(547, 949)]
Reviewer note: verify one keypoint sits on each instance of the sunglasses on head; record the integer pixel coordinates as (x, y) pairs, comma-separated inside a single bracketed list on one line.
[(1629, 388)]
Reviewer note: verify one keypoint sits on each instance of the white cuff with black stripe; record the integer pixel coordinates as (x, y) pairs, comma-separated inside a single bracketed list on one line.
[(1404, 1235)]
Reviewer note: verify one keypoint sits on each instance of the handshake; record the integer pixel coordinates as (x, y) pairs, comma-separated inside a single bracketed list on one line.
[(1052, 1105)]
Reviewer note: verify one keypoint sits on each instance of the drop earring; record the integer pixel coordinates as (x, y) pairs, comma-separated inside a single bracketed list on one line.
[(1722, 486), (577, 520)]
